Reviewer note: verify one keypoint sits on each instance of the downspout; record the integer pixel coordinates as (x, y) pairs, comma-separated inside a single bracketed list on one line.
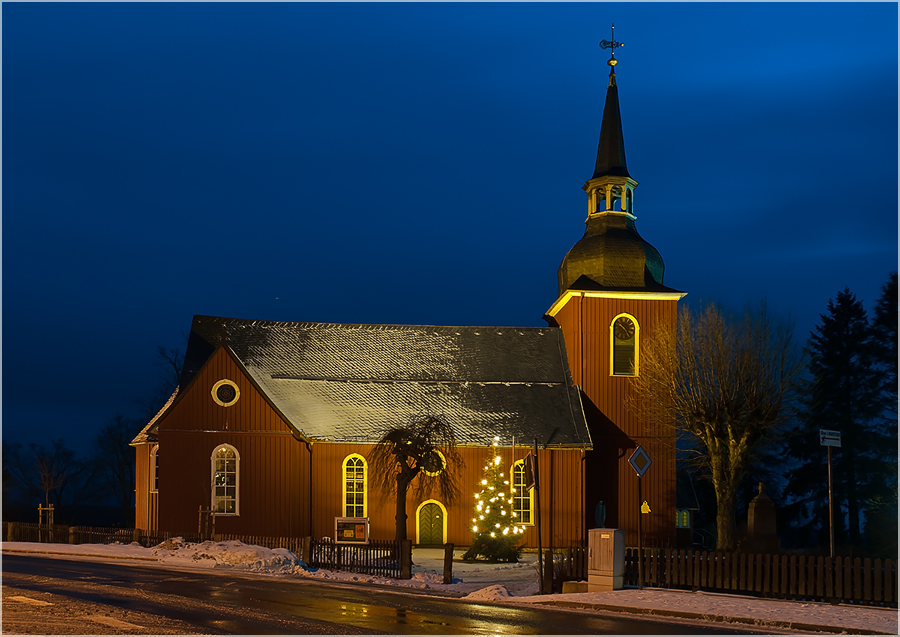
[(584, 527), (310, 497), (581, 337)]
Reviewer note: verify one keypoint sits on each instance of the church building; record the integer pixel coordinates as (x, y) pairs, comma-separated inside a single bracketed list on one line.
[(273, 424)]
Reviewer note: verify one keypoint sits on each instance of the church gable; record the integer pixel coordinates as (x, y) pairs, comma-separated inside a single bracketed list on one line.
[(221, 397)]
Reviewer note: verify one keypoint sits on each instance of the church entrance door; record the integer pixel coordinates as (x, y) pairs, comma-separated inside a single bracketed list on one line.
[(431, 523)]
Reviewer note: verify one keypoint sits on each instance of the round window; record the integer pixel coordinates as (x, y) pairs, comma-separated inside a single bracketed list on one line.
[(225, 393)]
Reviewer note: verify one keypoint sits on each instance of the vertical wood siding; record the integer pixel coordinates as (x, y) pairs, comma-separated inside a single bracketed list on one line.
[(560, 504), (142, 517), (290, 489), (615, 431), (273, 464)]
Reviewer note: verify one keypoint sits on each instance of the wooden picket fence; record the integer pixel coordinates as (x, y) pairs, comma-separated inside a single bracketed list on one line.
[(865, 581), (378, 557), (799, 577)]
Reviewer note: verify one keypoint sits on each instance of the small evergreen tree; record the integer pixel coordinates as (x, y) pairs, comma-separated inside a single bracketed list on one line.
[(495, 530)]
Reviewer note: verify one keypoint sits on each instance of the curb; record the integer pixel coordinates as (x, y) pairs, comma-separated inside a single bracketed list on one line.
[(97, 555), (725, 619)]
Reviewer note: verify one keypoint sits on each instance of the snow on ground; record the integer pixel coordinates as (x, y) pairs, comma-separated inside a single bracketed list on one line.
[(484, 583)]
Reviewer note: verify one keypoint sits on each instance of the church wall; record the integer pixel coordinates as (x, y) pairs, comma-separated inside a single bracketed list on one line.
[(615, 431), (145, 514), (561, 499), (273, 482)]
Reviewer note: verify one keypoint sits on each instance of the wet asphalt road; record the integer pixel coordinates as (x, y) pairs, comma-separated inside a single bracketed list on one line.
[(220, 602)]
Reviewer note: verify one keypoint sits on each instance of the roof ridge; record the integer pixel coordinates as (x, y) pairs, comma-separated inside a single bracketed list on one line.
[(372, 326)]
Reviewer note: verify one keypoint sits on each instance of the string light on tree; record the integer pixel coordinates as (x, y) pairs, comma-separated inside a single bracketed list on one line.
[(495, 529)]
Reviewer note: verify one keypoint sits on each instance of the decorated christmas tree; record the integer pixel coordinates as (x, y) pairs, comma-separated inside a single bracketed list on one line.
[(495, 530)]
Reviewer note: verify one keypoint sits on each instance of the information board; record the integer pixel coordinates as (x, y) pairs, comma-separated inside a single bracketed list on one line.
[(351, 530)]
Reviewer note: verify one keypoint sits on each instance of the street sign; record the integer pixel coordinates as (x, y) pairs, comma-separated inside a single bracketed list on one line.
[(640, 461), (829, 438)]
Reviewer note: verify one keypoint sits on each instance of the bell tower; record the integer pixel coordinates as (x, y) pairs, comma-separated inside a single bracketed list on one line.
[(611, 298)]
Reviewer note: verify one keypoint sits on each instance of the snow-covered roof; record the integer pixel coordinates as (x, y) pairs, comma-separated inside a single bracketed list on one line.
[(342, 382)]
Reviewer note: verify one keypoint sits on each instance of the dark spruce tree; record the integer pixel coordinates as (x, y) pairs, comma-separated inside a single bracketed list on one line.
[(881, 506), (842, 391)]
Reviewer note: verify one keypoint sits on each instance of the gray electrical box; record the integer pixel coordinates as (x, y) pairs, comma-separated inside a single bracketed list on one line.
[(606, 559)]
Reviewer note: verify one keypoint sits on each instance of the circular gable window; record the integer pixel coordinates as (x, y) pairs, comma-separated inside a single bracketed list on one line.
[(225, 393)]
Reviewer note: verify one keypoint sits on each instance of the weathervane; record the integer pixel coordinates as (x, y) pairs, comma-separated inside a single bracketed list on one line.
[(611, 44), (612, 61)]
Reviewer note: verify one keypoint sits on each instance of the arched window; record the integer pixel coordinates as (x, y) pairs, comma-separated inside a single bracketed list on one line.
[(523, 500), (226, 480), (154, 468), (623, 337), (354, 486)]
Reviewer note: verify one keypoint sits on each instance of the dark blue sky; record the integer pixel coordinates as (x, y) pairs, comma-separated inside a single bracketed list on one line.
[(413, 163)]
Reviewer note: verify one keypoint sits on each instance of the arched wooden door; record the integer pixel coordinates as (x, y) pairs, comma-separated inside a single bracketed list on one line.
[(431, 523)]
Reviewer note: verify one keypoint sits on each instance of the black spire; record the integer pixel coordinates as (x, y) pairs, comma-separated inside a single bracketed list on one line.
[(611, 149)]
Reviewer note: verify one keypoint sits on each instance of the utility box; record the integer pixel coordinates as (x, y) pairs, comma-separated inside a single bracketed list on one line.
[(606, 559)]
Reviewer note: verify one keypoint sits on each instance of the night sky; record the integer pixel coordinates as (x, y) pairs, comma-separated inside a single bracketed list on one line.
[(415, 164)]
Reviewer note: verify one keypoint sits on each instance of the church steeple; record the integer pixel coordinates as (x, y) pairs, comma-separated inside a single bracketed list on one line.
[(611, 149), (612, 255), (611, 188)]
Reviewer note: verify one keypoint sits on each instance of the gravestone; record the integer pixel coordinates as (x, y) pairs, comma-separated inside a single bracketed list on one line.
[(762, 536)]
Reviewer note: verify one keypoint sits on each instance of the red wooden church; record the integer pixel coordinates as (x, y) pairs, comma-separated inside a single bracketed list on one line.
[(273, 422)]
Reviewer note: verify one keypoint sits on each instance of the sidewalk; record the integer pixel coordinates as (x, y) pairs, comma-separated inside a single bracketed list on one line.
[(507, 585)]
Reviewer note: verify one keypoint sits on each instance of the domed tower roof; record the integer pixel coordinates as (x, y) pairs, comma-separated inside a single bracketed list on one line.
[(612, 255)]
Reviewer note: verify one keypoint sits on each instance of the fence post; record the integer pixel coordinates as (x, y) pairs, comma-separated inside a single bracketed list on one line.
[(11, 532), (72, 535), (136, 535), (405, 559), (306, 549)]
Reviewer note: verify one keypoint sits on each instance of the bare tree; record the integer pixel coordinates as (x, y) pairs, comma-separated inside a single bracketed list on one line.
[(723, 385), (422, 448), (52, 475), (115, 462), (170, 362)]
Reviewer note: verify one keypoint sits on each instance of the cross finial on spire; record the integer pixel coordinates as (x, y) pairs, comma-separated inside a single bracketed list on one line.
[(613, 45)]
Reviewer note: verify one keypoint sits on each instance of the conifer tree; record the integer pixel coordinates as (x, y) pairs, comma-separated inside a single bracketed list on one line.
[(881, 506), (843, 392), (884, 324), (495, 530)]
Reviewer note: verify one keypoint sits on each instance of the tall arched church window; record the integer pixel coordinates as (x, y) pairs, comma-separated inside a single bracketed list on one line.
[(624, 333), (523, 501), (154, 468), (226, 474), (354, 486)]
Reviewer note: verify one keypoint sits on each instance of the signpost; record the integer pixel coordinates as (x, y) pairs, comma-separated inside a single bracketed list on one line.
[(830, 438), (532, 462), (640, 462)]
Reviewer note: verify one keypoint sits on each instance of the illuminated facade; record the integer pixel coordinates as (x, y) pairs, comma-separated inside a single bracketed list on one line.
[(611, 298)]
